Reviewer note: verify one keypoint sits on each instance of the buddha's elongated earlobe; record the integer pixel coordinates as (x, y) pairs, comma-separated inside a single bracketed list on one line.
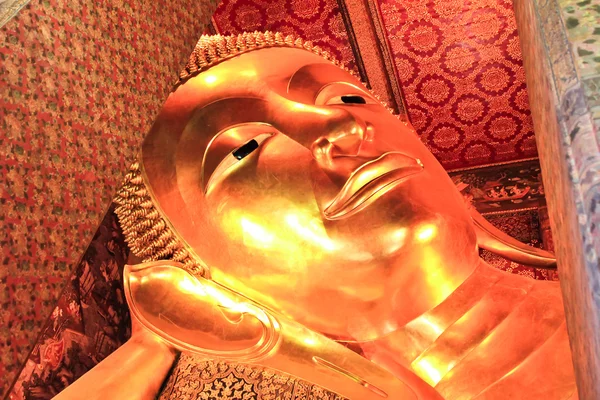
[(493, 239), (199, 316)]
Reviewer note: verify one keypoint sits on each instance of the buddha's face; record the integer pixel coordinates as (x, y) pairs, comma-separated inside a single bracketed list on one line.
[(300, 190)]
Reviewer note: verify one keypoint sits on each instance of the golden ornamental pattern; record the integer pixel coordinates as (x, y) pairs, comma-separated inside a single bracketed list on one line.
[(212, 49), (194, 378)]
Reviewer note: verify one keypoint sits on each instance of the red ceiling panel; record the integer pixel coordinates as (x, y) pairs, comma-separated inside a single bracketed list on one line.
[(317, 20), (462, 76)]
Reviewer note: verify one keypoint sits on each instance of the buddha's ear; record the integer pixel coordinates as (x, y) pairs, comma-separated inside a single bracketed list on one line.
[(493, 239)]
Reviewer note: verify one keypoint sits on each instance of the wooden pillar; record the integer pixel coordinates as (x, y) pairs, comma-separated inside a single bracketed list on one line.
[(555, 40)]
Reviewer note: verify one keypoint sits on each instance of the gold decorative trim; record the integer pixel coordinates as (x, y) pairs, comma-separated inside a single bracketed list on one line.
[(196, 378), (497, 164), (147, 233), (518, 210)]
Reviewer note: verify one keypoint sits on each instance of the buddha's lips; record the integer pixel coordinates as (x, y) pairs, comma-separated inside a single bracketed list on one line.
[(371, 181)]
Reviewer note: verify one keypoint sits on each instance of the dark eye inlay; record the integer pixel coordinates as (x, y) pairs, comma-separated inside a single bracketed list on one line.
[(246, 149), (353, 100)]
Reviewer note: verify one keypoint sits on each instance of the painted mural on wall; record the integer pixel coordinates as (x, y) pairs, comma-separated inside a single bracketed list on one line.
[(89, 321), (503, 188)]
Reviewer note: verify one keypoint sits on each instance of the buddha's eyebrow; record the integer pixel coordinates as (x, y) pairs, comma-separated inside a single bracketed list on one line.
[(210, 120), (306, 82), (223, 113)]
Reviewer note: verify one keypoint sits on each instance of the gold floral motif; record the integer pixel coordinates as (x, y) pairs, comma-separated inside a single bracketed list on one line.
[(195, 378), (212, 49)]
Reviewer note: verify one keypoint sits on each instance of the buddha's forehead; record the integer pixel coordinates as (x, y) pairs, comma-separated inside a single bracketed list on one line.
[(293, 73), (275, 86)]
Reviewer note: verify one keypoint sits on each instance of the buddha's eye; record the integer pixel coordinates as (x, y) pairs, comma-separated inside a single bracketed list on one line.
[(349, 99), (343, 94), (246, 149), (234, 159), (353, 99)]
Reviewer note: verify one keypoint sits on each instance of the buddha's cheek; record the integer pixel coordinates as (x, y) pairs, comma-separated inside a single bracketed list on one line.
[(271, 224), (279, 250)]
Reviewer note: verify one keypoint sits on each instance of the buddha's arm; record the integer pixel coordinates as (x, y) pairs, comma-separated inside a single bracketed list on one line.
[(135, 370)]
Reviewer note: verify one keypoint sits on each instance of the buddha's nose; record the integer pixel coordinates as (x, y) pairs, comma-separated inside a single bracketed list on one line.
[(345, 140)]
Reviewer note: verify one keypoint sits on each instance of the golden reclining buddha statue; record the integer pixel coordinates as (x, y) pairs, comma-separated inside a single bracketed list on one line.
[(287, 225)]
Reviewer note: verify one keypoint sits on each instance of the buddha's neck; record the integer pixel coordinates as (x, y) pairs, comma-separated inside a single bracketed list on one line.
[(490, 306)]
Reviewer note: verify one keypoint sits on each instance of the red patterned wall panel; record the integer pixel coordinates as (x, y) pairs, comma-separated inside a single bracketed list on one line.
[(460, 66), (317, 20), (80, 84)]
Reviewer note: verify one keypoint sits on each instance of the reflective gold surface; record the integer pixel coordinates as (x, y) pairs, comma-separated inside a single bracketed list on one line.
[(493, 239), (199, 316), (339, 214), (320, 217)]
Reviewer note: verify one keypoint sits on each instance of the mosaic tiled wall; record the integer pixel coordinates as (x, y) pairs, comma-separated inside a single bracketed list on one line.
[(8, 9), (560, 48), (80, 84), (582, 20)]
